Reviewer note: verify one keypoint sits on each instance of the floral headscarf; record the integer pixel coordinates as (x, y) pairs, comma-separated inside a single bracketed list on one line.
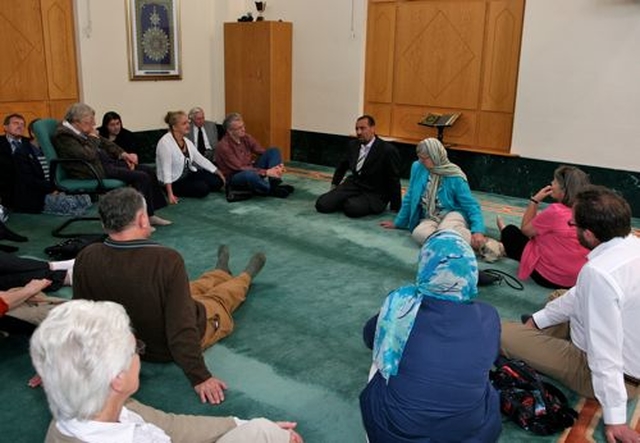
[(447, 270)]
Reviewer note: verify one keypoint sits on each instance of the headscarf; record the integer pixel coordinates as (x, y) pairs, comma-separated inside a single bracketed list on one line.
[(442, 167), (447, 270)]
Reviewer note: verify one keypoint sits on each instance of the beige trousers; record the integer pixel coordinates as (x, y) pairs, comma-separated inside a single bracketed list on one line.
[(453, 220), (551, 352), (221, 294)]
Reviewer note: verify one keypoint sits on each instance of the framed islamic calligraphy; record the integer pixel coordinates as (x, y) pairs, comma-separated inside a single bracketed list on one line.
[(154, 39)]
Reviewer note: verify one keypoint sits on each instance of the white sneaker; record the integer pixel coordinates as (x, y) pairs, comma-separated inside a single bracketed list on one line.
[(159, 221)]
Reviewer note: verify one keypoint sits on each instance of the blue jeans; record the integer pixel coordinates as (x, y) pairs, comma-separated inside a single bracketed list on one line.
[(251, 179)]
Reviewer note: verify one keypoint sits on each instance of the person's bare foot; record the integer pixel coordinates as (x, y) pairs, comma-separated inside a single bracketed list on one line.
[(500, 223)]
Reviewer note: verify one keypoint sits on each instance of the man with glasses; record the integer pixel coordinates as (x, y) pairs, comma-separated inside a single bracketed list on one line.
[(589, 338)]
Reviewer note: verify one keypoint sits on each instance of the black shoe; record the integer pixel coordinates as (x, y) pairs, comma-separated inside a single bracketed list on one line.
[(8, 234), (288, 188), (279, 192), (7, 248)]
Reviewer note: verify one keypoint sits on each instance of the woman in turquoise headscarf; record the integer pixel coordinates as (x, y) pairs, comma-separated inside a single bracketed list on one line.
[(433, 347), (438, 197)]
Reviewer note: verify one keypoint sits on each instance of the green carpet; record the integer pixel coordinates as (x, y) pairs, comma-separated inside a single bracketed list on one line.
[(297, 352)]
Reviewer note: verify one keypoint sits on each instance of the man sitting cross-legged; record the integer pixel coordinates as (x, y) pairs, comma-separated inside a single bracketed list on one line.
[(175, 318), (589, 338)]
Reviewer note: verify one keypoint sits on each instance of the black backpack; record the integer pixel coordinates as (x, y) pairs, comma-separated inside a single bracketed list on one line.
[(535, 405)]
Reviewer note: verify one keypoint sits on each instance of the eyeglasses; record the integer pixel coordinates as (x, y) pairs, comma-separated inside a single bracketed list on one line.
[(140, 347)]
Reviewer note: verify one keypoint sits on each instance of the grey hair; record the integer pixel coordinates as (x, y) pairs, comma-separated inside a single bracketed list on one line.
[(434, 149), (230, 118), (118, 208), (78, 350), (195, 110), (78, 111), (572, 180)]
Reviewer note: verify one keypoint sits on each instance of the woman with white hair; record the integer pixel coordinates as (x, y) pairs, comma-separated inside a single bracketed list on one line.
[(438, 198), (89, 363)]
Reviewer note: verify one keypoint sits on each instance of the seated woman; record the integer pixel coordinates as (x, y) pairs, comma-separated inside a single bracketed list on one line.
[(90, 365), (438, 198), (433, 348), (113, 130), (546, 244), (180, 167)]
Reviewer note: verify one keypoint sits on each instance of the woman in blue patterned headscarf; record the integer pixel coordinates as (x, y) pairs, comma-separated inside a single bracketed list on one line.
[(433, 347)]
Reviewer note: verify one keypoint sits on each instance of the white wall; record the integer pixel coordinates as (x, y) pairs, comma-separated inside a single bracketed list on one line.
[(103, 59), (579, 84), (578, 90)]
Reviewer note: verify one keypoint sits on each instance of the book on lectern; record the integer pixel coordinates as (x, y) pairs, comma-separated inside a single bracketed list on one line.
[(435, 120)]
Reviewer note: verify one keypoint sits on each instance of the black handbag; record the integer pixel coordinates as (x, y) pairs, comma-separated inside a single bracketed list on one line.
[(69, 248), (489, 277)]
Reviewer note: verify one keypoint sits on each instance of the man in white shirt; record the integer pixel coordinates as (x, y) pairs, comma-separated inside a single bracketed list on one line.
[(589, 339), (89, 363)]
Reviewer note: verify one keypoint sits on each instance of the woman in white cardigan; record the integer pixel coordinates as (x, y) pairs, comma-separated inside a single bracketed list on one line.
[(180, 167)]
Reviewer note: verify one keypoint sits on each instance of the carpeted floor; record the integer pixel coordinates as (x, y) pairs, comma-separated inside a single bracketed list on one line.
[(297, 352)]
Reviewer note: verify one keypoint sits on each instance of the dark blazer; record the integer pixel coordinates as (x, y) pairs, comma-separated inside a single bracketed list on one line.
[(94, 150), (7, 172), (380, 173), (211, 130), (31, 185)]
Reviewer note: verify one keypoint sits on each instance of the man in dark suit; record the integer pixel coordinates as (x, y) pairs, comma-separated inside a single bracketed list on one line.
[(203, 133), (23, 184), (375, 178), (9, 142)]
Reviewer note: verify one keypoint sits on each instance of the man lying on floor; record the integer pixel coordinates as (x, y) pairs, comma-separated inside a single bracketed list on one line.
[(175, 318), (89, 363)]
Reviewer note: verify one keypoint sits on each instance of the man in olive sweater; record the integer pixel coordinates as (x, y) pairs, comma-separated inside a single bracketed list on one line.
[(176, 319)]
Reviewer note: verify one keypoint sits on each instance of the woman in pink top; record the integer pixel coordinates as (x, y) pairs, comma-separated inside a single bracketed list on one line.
[(546, 245)]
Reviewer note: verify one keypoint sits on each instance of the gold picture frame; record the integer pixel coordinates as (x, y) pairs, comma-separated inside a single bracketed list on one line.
[(154, 39)]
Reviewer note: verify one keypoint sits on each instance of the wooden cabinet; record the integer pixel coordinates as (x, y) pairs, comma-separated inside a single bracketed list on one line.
[(38, 73), (257, 70)]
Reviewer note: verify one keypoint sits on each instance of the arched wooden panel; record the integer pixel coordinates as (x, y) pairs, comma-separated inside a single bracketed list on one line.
[(447, 56)]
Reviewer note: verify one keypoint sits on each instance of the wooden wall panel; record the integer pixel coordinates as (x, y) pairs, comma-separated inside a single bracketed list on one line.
[(447, 56), (59, 37), (380, 52), (23, 74), (439, 53), (381, 112), (58, 108), (504, 29), (494, 131)]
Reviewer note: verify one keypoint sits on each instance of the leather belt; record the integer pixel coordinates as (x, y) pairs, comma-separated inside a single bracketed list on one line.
[(631, 380)]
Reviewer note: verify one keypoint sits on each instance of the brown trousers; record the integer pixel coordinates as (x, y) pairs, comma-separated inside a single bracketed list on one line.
[(221, 294)]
